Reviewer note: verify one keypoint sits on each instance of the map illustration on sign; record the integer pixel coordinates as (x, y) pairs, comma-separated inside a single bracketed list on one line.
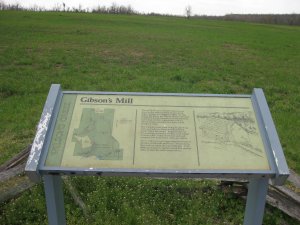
[(94, 137), (231, 129)]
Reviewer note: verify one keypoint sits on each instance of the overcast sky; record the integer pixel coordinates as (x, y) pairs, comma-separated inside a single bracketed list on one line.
[(176, 7)]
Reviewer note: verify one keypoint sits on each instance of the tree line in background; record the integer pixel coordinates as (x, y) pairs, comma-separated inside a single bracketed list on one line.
[(113, 9), (282, 19)]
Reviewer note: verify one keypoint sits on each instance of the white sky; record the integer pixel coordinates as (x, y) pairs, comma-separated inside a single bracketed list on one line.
[(176, 7)]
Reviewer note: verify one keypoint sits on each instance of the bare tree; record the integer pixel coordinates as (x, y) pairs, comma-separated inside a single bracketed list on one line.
[(56, 7), (188, 11)]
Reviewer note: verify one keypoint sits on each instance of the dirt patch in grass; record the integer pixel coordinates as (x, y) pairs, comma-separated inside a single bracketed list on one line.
[(241, 52), (234, 47)]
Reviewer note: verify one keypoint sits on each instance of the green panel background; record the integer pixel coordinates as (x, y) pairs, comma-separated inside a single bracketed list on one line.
[(61, 129)]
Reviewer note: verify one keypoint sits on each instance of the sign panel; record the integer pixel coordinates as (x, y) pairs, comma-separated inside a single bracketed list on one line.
[(156, 132)]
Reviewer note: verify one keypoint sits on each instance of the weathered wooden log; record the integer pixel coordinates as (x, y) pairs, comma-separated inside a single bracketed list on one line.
[(294, 178), (12, 172), (15, 166), (284, 199), (280, 197), (16, 160), (14, 187)]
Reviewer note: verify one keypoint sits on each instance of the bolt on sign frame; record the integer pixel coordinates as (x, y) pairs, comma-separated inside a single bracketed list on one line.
[(157, 135)]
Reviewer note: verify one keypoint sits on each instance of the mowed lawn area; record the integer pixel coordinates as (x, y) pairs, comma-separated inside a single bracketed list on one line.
[(97, 52)]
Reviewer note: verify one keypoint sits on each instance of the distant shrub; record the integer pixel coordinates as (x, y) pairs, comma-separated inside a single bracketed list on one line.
[(115, 9)]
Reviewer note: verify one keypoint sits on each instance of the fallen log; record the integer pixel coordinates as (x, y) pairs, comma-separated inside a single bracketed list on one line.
[(12, 172), (280, 197), (16, 160), (14, 187), (294, 178), (15, 184), (284, 199)]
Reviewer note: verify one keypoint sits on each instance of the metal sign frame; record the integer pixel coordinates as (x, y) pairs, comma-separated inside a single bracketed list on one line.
[(278, 172)]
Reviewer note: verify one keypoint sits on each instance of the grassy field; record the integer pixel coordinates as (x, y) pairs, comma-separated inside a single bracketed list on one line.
[(142, 54)]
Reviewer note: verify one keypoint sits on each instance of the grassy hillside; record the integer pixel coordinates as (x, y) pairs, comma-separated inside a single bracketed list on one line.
[(148, 54)]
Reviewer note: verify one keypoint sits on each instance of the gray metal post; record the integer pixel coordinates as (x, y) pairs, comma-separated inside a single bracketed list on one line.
[(54, 200), (256, 200)]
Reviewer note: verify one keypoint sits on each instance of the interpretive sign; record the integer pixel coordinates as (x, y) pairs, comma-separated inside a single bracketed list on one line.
[(157, 134)]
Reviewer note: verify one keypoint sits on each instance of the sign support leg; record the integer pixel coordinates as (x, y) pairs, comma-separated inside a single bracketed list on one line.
[(54, 199), (256, 200)]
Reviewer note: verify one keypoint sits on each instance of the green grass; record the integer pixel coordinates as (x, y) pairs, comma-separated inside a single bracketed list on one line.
[(139, 201), (147, 54)]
